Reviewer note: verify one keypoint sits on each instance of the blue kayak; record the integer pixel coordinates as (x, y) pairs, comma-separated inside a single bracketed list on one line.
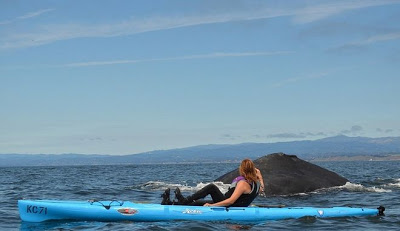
[(45, 210)]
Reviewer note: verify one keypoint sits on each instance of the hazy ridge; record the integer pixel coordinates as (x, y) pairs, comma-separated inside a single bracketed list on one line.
[(332, 148)]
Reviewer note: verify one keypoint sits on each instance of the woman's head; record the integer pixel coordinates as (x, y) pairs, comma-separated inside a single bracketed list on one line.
[(248, 170)]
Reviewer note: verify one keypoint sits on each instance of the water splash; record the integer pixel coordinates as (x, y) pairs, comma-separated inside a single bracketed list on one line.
[(160, 185), (396, 184), (361, 188)]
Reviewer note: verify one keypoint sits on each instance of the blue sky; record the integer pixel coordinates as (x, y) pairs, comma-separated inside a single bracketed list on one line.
[(123, 77)]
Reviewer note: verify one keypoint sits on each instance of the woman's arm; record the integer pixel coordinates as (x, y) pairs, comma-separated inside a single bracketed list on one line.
[(241, 187), (259, 176)]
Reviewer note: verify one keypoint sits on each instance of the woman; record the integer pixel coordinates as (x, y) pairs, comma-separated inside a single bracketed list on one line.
[(244, 189)]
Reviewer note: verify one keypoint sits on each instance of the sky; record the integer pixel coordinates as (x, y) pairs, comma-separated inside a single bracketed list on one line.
[(124, 77)]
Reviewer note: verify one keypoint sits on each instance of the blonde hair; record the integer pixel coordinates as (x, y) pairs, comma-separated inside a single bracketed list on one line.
[(248, 170)]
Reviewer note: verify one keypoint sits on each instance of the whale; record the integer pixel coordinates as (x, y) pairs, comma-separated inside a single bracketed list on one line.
[(285, 174)]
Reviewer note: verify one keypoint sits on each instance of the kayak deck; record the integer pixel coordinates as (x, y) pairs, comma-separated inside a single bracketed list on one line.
[(44, 210)]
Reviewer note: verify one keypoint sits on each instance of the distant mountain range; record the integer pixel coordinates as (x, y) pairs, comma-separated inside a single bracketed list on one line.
[(308, 150)]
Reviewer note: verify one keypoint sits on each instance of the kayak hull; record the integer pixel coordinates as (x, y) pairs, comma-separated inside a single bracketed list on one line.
[(45, 210)]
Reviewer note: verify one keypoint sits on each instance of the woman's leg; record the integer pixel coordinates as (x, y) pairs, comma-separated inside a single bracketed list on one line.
[(209, 189)]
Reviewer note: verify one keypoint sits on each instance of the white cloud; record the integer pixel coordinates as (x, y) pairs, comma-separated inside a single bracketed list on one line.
[(371, 40), (318, 12), (51, 33), (34, 14), (378, 38), (298, 79), (26, 16), (203, 56), (6, 22), (287, 136), (353, 130)]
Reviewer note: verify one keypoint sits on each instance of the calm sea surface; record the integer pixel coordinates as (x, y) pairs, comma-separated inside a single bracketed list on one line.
[(372, 184)]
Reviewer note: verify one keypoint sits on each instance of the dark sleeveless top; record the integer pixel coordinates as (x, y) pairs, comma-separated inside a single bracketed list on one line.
[(245, 199)]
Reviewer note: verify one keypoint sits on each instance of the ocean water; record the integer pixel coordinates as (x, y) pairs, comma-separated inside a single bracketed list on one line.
[(371, 184)]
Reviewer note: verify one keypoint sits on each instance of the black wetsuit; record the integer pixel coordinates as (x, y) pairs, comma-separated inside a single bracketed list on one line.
[(211, 189)]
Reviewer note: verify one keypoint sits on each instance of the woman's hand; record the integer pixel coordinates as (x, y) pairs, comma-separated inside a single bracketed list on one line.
[(262, 192), (207, 204)]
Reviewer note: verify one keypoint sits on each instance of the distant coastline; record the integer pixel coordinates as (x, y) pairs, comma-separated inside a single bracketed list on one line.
[(337, 148), (391, 157)]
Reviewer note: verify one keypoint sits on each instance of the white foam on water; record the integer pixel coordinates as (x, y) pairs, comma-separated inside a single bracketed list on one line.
[(160, 185), (394, 185), (353, 187), (223, 187), (361, 188)]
